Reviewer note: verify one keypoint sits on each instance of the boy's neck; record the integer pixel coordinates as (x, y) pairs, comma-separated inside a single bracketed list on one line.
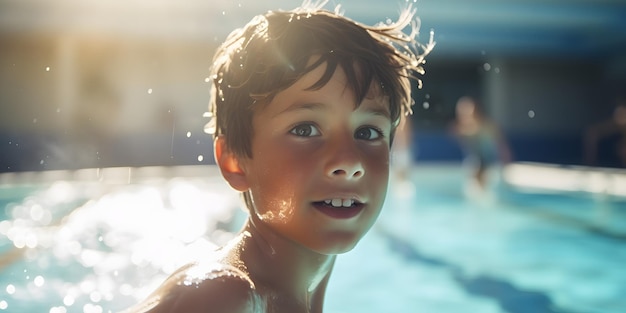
[(285, 266)]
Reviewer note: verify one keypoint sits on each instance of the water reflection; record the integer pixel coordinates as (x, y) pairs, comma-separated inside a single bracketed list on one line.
[(99, 246)]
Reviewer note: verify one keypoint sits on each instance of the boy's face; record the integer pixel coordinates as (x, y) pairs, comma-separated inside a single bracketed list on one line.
[(320, 166)]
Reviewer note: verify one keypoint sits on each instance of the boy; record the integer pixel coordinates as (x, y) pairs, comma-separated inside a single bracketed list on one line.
[(305, 105)]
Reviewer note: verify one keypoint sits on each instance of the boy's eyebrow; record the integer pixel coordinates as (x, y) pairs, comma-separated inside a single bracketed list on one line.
[(375, 110), (379, 110), (301, 106)]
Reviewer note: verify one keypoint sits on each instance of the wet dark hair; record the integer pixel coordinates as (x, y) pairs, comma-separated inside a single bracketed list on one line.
[(275, 49)]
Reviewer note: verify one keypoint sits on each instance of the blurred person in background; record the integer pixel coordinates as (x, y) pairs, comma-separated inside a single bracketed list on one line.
[(482, 142), (611, 131)]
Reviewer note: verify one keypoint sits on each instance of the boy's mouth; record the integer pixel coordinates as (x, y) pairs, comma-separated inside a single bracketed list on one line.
[(338, 203), (339, 208)]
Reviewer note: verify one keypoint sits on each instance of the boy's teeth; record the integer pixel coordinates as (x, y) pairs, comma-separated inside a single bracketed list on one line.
[(339, 202)]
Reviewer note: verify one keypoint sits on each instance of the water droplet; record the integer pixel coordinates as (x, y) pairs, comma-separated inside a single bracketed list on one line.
[(3, 305), (47, 68), (496, 70), (10, 289), (149, 91), (200, 158), (426, 105), (58, 309), (223, 12), (39, 281), (92, 308), (95, 296), (486, 67), (206, 80), (531, 113), (68, 300), (188, 134)]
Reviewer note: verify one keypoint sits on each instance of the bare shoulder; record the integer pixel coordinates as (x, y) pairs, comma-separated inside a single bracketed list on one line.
[(198, 288)]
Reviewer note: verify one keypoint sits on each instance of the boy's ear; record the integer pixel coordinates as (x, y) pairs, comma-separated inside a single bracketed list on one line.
[(229, 165)]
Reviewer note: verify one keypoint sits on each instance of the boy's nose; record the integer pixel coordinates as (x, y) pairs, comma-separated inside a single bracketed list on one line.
[(348, 172), (345, 163)]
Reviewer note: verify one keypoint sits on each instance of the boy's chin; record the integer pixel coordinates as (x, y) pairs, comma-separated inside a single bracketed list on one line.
[(341, 243)]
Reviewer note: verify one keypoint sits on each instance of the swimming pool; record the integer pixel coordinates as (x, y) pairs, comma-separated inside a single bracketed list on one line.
[(96, 240)]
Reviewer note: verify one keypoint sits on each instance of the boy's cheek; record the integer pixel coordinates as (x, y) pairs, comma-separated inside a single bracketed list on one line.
[(293, 151), (378, 156)]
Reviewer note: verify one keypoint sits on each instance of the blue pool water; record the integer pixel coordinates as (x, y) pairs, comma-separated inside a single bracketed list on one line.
[(97, 240)]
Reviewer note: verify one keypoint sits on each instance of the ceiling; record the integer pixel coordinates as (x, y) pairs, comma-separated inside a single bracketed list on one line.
[(578, 28)]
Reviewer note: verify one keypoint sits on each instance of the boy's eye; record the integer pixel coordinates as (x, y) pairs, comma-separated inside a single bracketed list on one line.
[(305, 130), (368, 133)]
